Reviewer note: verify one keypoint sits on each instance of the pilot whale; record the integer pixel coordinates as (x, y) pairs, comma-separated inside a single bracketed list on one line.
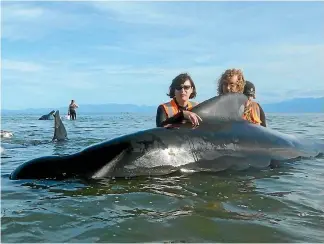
[(222, 141), (47, 116)]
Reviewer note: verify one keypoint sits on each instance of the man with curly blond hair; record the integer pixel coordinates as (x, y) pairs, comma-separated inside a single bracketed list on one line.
[(232, 81)]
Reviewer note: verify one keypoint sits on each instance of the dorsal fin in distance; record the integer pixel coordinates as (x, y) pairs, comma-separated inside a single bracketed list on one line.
[(229, 106), (59, 129)]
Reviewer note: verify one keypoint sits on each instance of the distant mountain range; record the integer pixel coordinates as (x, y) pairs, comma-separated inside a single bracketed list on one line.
[(297, 105), (88, 109)]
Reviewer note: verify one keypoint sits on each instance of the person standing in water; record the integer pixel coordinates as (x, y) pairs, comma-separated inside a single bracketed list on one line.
[(72, 110)]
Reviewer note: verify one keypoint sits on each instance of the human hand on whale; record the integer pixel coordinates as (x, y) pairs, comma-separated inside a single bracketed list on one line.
[(193, 117)]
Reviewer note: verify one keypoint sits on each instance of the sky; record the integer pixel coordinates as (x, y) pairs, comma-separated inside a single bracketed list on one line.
[(98, 52)]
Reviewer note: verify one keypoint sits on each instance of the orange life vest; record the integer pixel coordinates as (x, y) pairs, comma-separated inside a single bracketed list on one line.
[(252, 113), (171, 108)]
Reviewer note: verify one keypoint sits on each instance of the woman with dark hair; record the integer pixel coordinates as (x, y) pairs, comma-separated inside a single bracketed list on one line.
[(181, 90)]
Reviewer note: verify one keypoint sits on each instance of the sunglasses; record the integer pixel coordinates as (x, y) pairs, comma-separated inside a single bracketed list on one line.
[(186, 87), (232, 85)]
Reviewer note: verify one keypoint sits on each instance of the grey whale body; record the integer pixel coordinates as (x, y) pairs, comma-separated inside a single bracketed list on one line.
[(47, 116), (222, 141)]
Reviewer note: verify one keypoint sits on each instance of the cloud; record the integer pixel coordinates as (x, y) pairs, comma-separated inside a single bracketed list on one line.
[(20, 66), (35, 20), (147, 13), (95, 77), (18, 11), (131, 51), (21, 21)]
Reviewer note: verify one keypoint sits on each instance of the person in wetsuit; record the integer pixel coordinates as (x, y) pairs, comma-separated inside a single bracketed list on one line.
[(178, 109), (232, 80), (249, 91), (72, 110)]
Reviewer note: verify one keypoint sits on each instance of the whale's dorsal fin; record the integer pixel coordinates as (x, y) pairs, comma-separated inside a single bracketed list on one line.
[(222, 108), (60, 133)]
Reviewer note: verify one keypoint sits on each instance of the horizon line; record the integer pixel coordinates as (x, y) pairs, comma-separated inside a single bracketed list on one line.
[(143, 105)]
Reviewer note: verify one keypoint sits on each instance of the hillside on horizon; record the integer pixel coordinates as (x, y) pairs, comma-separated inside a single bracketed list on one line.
[(297, 105)]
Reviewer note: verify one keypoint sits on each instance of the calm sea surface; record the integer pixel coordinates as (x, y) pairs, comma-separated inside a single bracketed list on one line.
[(281, 205)]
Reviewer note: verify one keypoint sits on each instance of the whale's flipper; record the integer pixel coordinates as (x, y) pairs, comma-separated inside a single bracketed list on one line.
[(60, 133), (227, 107)]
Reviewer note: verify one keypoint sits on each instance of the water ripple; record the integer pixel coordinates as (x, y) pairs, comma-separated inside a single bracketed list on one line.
[(279, 205)]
